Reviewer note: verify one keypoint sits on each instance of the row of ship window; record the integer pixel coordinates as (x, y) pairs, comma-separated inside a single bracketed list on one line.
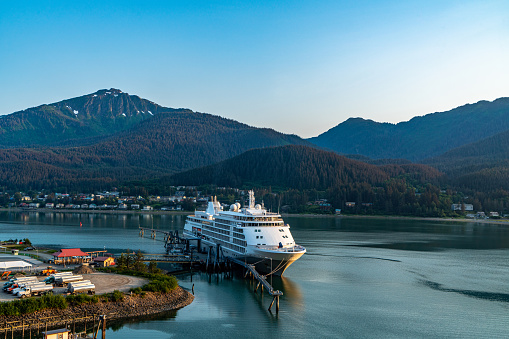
[(231, 246)]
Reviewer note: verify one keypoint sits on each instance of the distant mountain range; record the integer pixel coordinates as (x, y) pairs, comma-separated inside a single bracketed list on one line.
[(110, 137), (420, 138)]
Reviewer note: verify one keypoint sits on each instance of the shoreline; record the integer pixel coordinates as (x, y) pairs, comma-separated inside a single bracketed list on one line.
[(53, 210), (132, 306), (402, 217)]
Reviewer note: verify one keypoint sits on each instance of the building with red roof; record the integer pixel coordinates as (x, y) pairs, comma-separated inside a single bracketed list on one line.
[(70, 255)]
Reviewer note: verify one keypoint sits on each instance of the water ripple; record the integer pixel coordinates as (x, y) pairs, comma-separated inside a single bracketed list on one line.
[(491, 296)]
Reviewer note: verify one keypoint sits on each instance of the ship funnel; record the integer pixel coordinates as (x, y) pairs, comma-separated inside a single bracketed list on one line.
[(251, 199)]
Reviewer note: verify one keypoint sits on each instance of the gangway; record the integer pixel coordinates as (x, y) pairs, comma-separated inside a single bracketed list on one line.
[(262, 281)]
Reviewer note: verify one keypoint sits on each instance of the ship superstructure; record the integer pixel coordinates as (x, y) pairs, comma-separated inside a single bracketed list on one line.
[(251, 234)]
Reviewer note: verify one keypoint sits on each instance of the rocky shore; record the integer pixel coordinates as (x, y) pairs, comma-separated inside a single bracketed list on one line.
[(132, 306)]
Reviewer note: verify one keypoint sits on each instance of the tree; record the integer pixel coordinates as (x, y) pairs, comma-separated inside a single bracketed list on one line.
[(152, 268), (139, 265), (17, 197)]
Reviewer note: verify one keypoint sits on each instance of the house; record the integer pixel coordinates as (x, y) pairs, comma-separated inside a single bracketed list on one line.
[(494, 214), (122, 207), (135, 206), (104, 261), (50, 205), (350, 204), (459, 207), (147, 208)]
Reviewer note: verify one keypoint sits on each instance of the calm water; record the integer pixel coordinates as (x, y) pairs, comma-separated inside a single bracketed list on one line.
[(361, 278)]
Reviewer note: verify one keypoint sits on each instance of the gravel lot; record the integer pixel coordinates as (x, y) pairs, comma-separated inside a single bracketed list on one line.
[(104, 283)]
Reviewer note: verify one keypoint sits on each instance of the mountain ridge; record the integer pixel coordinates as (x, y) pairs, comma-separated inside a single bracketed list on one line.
[(86, 118), (421, 137)]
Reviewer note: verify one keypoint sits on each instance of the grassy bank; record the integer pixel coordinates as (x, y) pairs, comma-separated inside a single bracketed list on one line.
[(158, 283)]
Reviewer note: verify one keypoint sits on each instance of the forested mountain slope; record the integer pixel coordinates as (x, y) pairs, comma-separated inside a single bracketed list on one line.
[(421, 137), (164, 144), (76, 121), (297, 167), (483, 165)]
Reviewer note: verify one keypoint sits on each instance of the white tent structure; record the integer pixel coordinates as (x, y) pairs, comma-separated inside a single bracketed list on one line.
[(14, 265)]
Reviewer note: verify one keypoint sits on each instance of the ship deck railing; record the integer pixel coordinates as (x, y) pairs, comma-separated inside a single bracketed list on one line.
[(296, 248)]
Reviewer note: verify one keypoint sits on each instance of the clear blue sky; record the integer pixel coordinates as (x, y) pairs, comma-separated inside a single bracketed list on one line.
[(296, 66)]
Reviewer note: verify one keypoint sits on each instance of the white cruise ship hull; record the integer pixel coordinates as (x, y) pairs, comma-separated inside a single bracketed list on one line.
[(266, 261)]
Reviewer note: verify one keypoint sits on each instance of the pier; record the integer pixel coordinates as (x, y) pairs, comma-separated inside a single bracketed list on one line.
[(262, 282)]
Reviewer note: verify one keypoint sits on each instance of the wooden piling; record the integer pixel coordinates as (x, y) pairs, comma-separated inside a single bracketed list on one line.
[(104, 327), (272, 303)]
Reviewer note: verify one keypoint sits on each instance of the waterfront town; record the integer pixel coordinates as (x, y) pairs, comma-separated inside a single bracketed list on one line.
[(187, 199)]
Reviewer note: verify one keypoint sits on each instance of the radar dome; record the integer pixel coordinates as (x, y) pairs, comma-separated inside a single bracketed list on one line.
[(233, 208), (238, 204), (258, 207)]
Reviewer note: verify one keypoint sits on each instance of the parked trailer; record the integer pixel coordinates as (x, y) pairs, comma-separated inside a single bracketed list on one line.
[(17, 282), (75, 284), (52, 277), (20, 279), (90, 288), (34, 290), (20, 287), (78, 283), (64, 280)]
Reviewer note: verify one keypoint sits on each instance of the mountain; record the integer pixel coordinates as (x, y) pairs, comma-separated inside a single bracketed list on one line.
[(298, 167), (77, 121), (421, 137), (159, 144), (482, 165)]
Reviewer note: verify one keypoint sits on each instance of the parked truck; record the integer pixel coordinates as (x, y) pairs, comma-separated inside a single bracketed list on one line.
[(64, 280), (52, 277), (15, 290), (20, 279), (84, 286), (16, 282), (37, 289), (14, 285)]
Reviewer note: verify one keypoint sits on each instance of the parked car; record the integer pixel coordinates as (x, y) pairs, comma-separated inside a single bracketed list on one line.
[(30, 248)]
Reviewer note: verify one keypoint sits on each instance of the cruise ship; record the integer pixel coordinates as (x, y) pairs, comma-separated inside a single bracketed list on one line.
[(251, 234)]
